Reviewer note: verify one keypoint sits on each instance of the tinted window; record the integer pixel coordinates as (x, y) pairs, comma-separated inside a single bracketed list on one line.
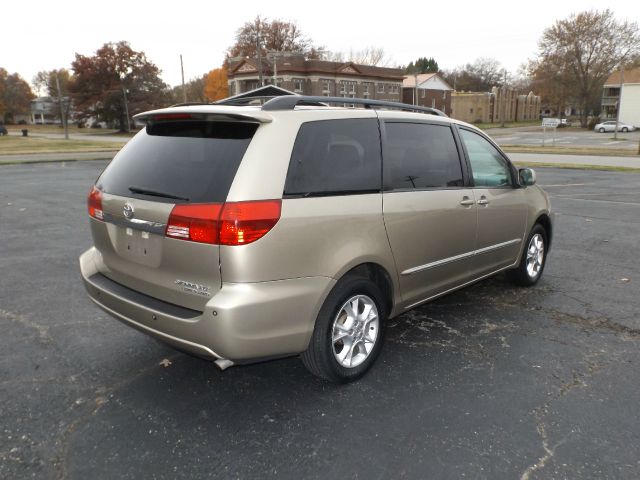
[(419, 155), (489, 168), (195, 160), (335, 157)]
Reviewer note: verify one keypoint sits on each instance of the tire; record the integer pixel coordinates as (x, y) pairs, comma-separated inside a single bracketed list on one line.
[(322, 357), (625, 129), (601, 130), (532, 261)]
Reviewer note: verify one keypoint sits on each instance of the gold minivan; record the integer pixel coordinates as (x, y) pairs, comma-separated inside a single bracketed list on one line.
[(241, 233)]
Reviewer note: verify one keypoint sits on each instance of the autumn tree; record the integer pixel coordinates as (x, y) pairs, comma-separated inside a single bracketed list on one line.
[(580, 52), (48, 82), (263, 35), (15, 96), (479, 76), (115, 84), (194, 90), (215, 86), (422, 65)]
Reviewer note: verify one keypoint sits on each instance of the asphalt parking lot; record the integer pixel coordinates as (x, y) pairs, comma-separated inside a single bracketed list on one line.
[(489, 382), (565, 137)]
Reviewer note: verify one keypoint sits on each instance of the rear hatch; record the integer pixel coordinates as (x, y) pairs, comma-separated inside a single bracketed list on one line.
[(155, 207)]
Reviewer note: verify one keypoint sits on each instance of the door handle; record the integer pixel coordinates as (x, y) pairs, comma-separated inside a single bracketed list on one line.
[(483, 201), (466, 201)]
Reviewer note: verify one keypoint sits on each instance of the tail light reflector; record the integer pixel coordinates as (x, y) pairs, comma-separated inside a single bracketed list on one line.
[(94, 203), (196, 222), (245, 222)]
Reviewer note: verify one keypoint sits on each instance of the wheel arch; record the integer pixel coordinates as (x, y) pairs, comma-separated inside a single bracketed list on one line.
[(378, 275), (545, 221)]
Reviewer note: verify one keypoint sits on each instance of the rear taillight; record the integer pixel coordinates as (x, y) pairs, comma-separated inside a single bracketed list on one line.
[(94, 203), (246, 222), (237, 223), (195, 222)]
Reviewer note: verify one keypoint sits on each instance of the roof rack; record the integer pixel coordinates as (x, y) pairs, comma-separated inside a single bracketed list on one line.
[(289, 102), (245, 100)]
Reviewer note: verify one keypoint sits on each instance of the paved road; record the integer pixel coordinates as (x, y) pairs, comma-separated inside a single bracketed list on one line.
[(55, 157), (491, 382)]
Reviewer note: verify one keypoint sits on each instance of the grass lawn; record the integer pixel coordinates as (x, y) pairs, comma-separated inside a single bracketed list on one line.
[(605, 152), (73, 130), (489, 126), (13, 145)]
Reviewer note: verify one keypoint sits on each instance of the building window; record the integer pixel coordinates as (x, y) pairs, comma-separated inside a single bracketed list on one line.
[(297, 85), (422, 93), (343, 87), (393, 88), (365, 90), (326, 87), (352, 88), (381, 88)]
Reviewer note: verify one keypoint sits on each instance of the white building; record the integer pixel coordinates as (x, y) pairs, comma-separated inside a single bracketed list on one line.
[(628, 97)]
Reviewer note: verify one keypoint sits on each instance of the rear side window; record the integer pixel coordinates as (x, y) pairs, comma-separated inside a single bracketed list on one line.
[(420, 155), (334, 157), (193, 161)]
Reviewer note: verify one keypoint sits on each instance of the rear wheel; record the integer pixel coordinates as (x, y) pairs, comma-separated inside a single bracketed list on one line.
[(347, 337), (625, 129), (533, 258)]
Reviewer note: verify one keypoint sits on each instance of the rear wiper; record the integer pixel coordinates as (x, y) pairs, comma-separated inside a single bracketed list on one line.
[(154, 193)]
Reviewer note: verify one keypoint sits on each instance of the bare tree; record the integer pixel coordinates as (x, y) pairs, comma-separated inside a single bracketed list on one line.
[(580, 52)]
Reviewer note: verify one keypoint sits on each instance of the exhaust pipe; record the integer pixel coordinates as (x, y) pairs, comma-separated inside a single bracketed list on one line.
[(223, 363)]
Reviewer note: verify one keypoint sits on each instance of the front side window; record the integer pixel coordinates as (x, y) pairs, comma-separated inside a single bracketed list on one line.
[(419, 156), (335, 157), (488, 166)]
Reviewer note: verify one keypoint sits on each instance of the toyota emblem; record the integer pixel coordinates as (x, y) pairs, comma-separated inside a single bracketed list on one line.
[(128, 210)]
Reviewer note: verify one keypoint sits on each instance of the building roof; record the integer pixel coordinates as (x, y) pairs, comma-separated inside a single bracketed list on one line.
[(629, 76), (427, 81), (298, 64)]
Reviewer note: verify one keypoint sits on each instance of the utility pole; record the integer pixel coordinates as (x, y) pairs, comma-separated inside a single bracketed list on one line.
[(63, 116), (259, 54), (184, 90), (504, 98), (615, 131), (126, 108)]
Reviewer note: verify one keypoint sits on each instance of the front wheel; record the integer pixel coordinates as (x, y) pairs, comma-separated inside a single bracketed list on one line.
[(625, 129), (601, 130), (347, 337), (533, 258)]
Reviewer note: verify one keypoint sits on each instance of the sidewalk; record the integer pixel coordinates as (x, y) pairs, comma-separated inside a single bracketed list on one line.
[(55, 157)]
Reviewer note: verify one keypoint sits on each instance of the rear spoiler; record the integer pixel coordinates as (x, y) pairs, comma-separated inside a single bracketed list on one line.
[(219, 114)]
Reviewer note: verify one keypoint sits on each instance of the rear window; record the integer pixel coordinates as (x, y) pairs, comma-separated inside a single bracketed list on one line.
[(335, 157), (193, 161)]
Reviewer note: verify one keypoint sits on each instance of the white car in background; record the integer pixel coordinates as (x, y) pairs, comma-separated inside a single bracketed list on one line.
[(610, 126)]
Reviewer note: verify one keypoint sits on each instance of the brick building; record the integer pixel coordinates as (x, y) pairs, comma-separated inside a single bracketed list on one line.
[(316, 77), (430, 89), (500, 104)]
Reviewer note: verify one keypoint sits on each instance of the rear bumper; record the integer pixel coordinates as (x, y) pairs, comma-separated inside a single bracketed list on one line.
[(241, 322)]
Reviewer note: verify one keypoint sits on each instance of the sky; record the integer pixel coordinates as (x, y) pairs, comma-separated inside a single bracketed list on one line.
[(44, 35)]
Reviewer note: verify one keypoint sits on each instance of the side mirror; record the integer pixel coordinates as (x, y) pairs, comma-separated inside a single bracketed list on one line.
[(527, 177)]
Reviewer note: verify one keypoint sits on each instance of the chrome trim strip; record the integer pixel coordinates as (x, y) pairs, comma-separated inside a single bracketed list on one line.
[(136, 224), (460, 286), (462, 256)]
